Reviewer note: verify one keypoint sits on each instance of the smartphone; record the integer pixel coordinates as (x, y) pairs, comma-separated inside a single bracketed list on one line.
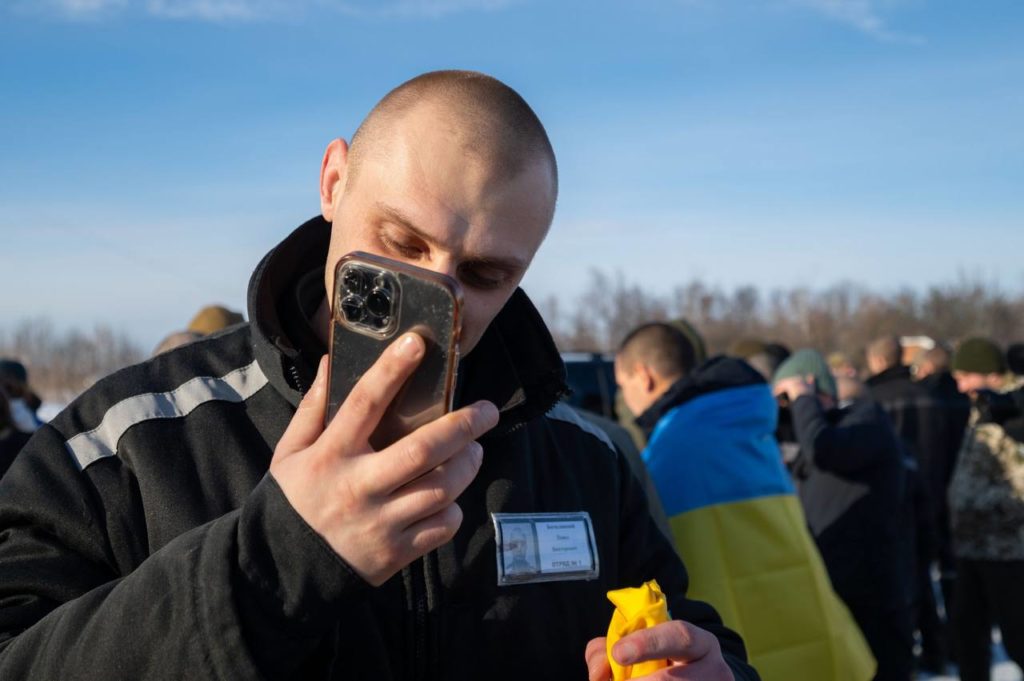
[(375, 301)]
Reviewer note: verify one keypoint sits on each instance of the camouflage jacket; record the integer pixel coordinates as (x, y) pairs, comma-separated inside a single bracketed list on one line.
[(986, 494)]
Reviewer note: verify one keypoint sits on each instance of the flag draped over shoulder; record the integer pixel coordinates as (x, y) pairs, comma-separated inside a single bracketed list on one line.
[(740, 529)]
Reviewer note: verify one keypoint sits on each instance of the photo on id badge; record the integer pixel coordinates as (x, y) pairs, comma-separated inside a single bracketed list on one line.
[(520, 549)]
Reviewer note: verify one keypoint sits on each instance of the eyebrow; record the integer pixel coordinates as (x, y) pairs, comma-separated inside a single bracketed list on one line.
[(510, 264)]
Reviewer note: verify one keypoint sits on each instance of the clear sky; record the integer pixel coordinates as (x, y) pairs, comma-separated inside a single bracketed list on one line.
[(151, 151)]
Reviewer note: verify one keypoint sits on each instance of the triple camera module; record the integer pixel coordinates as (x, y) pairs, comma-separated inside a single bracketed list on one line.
[(369, 299)]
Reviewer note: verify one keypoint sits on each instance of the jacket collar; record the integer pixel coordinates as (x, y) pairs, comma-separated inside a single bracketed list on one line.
[(896, 373), (515, 365), (718, 373)]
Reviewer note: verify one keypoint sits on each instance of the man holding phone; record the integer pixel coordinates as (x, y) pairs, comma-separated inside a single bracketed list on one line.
[(141, 536)]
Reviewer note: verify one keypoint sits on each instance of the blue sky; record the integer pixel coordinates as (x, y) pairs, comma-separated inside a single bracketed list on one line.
[(151, 151)]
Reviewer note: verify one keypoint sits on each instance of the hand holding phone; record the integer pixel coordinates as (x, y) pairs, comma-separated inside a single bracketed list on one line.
[(379, 507)]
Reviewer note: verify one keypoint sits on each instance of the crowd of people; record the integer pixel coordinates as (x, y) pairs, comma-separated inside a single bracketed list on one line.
[(910, 480), (198, 516)]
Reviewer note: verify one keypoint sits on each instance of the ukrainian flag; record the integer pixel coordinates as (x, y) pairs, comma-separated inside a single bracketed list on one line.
[(740, 529)]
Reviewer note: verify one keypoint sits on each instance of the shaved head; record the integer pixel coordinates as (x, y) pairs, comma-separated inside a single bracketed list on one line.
[(887, 351), (479, 115), (659, 346)]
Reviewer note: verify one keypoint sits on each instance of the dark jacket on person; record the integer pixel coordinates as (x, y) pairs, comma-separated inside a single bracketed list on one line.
[(851, 480), (11, 442), (939, 460), (143, 539), (916, 419)]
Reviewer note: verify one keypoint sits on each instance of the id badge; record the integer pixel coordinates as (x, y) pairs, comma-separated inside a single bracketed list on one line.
[(545, 547)]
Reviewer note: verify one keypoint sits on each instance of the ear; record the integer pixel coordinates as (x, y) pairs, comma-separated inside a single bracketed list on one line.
[(650, 379), (333, 171)]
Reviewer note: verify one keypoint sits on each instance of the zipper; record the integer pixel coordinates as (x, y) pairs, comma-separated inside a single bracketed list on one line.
[(417, 583), (297, 383)]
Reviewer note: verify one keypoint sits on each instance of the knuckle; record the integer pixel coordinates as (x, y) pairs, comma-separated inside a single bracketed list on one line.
[(439, 496), (361, 402), (465, 426), (416, 454)]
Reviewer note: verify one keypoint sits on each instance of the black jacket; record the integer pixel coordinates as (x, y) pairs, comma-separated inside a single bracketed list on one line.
[(952, 408), (851, 479), (11, 442), (140, 537), (916, 418)]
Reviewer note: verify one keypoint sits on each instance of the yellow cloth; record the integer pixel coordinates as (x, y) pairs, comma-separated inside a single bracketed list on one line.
[(635, 609), (756, 563)]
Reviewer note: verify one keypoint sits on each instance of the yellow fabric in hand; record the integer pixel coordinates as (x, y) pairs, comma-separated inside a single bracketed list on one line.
[(635, 609)]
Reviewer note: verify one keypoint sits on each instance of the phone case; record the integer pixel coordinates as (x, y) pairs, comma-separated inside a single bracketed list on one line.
[(375, 301)]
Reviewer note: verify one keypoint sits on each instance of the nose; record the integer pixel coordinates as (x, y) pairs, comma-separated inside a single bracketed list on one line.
[(443, 263)]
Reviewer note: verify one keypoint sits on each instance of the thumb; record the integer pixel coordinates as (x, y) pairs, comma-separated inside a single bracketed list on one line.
[(308, 421)]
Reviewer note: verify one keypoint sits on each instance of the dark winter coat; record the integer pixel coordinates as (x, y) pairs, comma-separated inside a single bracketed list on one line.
[(851, 480), (11, 442), (938, 461), (140, 537), (916, 419)]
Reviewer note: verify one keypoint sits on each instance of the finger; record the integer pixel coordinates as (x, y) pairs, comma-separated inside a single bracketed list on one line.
[(432, 445), (676, 640), (362, 410), (432, 492), (429, 533), (596, 655), (308, 421)]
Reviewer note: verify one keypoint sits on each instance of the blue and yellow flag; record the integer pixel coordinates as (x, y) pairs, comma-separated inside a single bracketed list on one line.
[(741, 532)]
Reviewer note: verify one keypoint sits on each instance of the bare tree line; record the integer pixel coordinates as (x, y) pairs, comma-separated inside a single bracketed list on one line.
[(62, 364), (843, 317)]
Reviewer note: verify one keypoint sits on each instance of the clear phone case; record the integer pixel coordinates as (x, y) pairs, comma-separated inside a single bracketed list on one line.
[(375, 301)]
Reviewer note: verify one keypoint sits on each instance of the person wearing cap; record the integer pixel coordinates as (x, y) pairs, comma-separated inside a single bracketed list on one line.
[(986, 500), (851, 479)]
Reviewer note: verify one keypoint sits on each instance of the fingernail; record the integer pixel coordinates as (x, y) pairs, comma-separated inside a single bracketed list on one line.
[(410, 347), (624, 652), (477, 454), (489, 412)]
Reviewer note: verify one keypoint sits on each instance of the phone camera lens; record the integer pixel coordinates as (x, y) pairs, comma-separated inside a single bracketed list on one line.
[(356, 281), (353, 308), (381, 322), (379, 303)]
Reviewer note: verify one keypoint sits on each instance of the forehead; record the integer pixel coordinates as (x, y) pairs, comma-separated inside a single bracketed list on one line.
[(425, 168)]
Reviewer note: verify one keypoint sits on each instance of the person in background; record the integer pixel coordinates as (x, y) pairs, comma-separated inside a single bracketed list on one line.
[(21, 399), (1015, 359), (917, 420), (11, 439), (734, 515), (931, 369), (208, 320), (840, 364), (744, 348), (626, 418), (851, 480), (986, 503)]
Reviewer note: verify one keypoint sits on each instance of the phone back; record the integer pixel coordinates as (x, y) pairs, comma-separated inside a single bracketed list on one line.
[(375, 301)]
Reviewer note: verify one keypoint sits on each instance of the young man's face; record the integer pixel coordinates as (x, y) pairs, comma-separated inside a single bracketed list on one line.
[(422, 199), (635, 385), (970, 382)]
